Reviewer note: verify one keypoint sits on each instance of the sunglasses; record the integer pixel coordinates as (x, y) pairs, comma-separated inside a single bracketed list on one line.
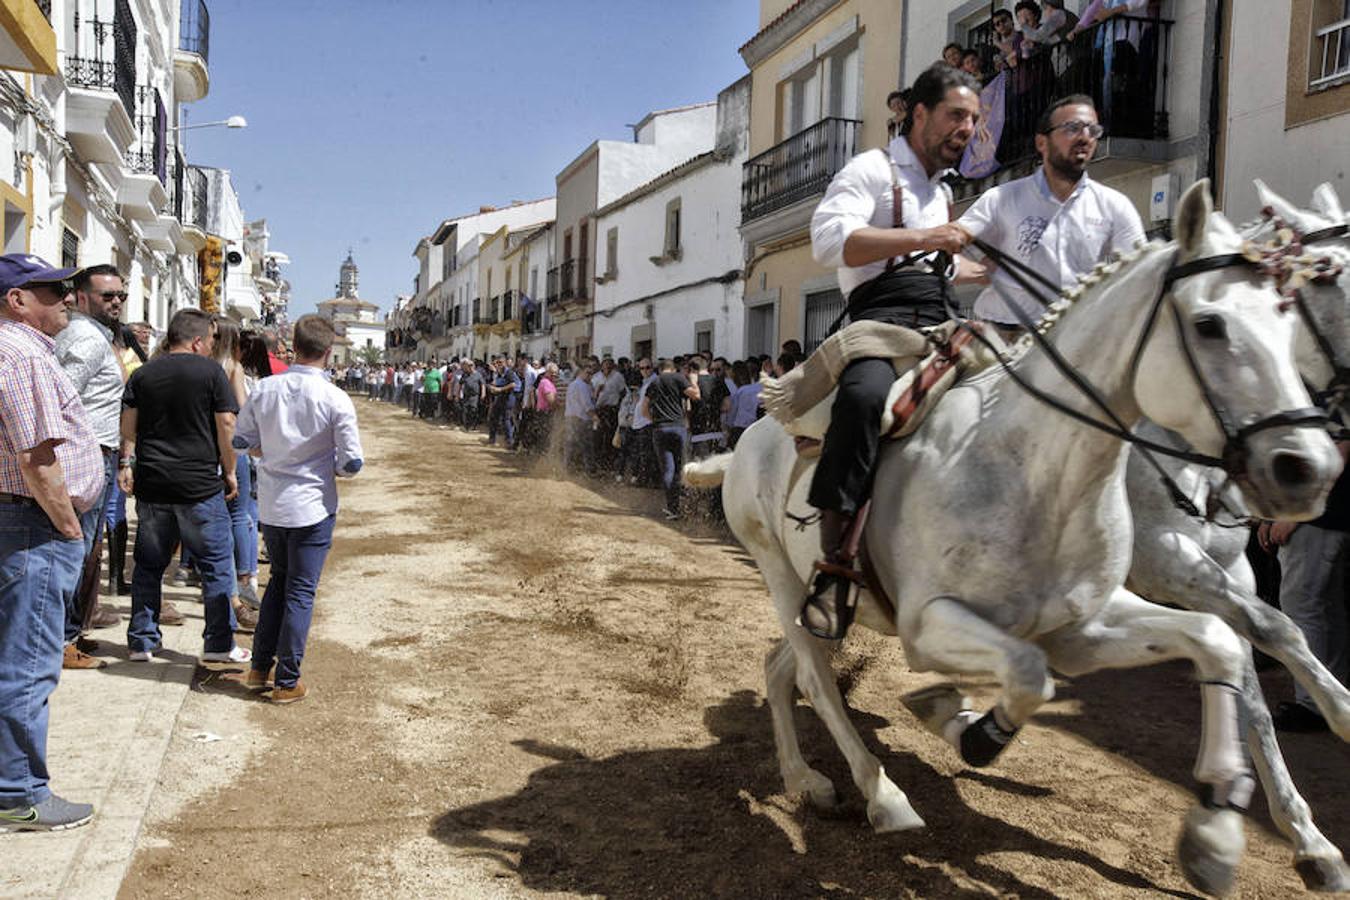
[(113, 295), (1075, 128)]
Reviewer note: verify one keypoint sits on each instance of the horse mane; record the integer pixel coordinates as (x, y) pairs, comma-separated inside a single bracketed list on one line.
[(1088, 285)]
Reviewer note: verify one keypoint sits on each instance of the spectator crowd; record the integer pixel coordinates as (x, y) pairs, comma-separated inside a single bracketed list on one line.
[(630, 421)]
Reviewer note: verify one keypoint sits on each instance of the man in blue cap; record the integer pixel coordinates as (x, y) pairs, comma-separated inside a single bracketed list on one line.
[(51, 473)]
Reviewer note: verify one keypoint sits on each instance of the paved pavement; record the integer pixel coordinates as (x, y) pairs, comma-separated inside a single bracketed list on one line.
[(110, 730)]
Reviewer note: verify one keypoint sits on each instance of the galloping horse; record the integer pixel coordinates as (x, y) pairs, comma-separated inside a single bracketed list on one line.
[(1202, 565), (1001, 530)]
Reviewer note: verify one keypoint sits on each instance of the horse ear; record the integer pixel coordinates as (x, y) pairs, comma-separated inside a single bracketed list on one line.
[(1277, 204), (1325, 201), (1193, 217)]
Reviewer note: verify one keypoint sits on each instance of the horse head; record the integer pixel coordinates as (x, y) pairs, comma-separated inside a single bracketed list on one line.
[(1322, 345), (1217, 367)]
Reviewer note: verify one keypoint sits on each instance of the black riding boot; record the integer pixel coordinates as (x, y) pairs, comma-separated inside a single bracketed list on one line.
[(829, 607)]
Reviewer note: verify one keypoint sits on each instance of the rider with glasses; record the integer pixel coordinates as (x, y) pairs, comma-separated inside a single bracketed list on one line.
[(1058, 221)]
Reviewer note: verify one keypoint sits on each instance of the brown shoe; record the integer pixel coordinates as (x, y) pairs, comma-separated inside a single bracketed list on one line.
[(104, 617), (290, 694), (169, 614), (258, 681), (246, 618), (86, 644), (74, 658)]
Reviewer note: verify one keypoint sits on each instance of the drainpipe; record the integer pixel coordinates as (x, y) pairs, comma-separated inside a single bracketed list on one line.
[(1216, 25)]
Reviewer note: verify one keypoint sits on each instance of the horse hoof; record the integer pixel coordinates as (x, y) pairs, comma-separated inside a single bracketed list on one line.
[(818, 790), (935, 706), (1210, 849), (1329, 876), (890, 811)]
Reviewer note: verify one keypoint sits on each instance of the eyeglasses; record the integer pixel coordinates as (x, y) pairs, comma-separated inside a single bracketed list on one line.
[(113, 295), (1075, 127), (644, 368)]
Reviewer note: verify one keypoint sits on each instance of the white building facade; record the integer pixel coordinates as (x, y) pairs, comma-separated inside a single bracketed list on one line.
[(668, 277)]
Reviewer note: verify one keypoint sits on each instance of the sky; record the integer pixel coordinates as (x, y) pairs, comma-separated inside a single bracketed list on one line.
[(371, 122)]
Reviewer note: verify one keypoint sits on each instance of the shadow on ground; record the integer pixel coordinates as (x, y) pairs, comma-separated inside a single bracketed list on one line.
[(710, 821)]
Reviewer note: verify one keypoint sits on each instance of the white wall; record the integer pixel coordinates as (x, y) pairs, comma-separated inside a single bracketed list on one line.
[(710, 247), (1292, 162)]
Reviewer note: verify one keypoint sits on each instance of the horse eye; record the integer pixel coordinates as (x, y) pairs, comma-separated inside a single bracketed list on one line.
[(1211, 327)]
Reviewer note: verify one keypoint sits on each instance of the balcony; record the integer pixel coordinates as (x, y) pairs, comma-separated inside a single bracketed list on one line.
[(798, 169), (194, 206), (1331, 57), (102, 86), (31, 44), (1122, 64), (191, 77), (567, 277)]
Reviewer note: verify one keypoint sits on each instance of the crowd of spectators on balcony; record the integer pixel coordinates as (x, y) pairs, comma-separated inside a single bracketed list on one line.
[(628, 421)]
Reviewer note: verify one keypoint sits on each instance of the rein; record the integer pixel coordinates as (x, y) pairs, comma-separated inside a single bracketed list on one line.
[(1234, 458)]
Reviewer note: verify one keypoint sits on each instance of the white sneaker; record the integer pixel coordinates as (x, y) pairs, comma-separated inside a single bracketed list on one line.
[(141, 656), (233, 655)]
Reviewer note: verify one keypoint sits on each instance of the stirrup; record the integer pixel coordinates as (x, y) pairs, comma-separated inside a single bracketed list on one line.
[(828, 610)]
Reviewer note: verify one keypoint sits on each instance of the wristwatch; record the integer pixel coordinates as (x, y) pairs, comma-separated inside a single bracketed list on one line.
[(126, 462)]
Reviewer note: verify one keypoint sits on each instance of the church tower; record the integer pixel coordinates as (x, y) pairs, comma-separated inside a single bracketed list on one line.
[(347, 278)]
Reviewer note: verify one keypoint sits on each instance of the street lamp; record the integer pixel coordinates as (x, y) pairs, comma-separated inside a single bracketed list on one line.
[(231, 122)]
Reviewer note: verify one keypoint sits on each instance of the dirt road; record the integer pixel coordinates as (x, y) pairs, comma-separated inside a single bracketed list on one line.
[(524, 686)]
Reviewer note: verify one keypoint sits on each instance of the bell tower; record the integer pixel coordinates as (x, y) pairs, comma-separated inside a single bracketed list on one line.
[(347, 277)]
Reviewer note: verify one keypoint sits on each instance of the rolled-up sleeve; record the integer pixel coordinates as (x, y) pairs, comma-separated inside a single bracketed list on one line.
[(846, 207), (346, 437)]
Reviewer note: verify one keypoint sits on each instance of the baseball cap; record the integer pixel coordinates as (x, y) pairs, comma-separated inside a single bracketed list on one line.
[(23, 269)]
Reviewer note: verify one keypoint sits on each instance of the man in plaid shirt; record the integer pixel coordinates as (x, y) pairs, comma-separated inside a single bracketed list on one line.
[(51, 472)]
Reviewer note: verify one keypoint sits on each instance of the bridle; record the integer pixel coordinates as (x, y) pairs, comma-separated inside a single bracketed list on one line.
[(1234, 458), (1333, 395)]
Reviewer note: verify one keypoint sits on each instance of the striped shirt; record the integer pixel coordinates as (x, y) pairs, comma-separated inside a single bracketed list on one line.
[(39, 403)]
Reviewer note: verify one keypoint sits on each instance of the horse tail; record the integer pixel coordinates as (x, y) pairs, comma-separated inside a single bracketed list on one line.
[(707, 472)]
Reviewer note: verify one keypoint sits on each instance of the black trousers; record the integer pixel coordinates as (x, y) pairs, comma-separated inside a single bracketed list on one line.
[(848, 458)]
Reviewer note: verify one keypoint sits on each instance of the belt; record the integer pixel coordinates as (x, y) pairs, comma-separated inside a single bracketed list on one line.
[(17, 499)]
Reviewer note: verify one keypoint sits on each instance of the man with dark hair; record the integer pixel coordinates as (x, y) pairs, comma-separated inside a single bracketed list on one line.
[(178, 414), (666, 404), (898, 104), (50, 476), (883, 223), (952, 53), (1056, 220), (303, 430), (85, 350)]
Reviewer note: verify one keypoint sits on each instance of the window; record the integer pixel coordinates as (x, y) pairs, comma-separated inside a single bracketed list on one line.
[(1329, 64), (70, 249), (583, 251), (611, 253), (822, 308), (672, 248), (826, 86)]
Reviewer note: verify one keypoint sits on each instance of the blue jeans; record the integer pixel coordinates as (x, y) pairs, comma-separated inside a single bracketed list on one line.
[(204, 528), (297, 555), (39, 571), (243, 510), (669, 443), (91, 523)]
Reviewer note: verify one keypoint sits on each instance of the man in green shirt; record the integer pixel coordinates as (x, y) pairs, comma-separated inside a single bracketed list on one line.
[(431, 390)]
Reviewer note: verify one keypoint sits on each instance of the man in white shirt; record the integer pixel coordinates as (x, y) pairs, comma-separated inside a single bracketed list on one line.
[(304, 431), (1057, 220), (891, 271), (580, 418), (643, 447)]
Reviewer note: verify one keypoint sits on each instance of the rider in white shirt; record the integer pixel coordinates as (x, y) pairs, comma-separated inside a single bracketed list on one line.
[(1057, 221)]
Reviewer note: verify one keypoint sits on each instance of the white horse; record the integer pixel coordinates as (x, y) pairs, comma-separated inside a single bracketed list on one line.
[(1202, 566), (1002, 533)]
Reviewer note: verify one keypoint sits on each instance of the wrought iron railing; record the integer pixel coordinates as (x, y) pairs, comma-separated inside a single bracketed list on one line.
[(582, 289), (798, 168), (179, 182), (106, 68), (551, 285), (197, 189), (1333, 54), (1122, 64), (567, 280), (194, 29), (151, 153)]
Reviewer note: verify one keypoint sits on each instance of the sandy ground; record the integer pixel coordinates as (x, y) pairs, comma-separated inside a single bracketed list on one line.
[(525, 686)]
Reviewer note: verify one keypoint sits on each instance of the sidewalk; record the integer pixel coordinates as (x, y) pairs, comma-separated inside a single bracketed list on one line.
[(110, 730)]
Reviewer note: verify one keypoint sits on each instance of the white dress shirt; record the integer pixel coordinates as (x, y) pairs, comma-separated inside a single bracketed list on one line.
[(1059, 240), (306, 429), (641, 420), (860, 196)]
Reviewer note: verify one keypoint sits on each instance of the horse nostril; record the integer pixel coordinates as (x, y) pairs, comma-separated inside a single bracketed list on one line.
[(1292, 470)]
